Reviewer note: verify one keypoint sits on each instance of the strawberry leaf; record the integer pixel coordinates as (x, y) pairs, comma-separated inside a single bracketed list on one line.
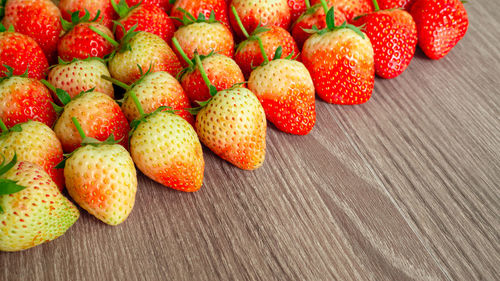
[(278, 53), (16, 128), (9, 187)]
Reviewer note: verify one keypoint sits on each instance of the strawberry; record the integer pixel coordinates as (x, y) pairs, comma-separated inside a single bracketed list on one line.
[(32, 209), (340, 60), (146, 50), (440, 25), (103, 7), (163, 4), (297, 8), (99, 114), (350, 8), (22, 53), (166, 149), (155, 90), (219, 70), (263, 40), (36, 143), (101, 178), (23, 99), (81, 75), (393, 4), (38, 19), (393, 35), (80, 41), (204, 36), (285, 89), (314, 16), (260, 12), (148, 18), (204, 7)]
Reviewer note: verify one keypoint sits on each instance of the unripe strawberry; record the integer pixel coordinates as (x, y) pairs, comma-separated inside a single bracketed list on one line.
[(205, 7)]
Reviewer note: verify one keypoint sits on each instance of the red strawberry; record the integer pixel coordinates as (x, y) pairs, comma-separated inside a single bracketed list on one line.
[(350, 8), (204, 37), (148, 18), (297, 7), (36, 143), (440, 25), (205, 7), (340, 60), (23, 99), (107, 13), (99, 115), (393, 35), (285, 89), (393, 4), (22, 53), (260, 12), (38, 19), (163, 4), (80, 41), (314, 16)]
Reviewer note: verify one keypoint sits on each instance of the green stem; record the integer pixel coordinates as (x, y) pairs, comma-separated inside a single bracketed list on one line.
[(3, 127), (261, 46), (325, 6), (181, 52), (105, 36), (48, 85), (137, 103), (375, 4), (238, 20), (202, 70), (308, 4), (116, 82), (78, 128)]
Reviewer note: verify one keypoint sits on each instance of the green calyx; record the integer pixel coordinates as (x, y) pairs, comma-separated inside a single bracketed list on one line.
[(125, 42), (126, 87), (192, 64), (9, 73), (188, 18), (144, 116), (330, 24), (122, 9), (4, 29), (62, 95), (76, 19), (6, 131), (8, 187)]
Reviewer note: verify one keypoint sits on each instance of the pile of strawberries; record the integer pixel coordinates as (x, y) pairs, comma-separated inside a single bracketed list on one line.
[(145, 83)]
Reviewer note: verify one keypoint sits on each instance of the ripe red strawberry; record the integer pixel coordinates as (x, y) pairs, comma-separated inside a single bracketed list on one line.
[(297, 8), (36, 143), (393, 35), (146, 50), (221, 71), (314, 16), (340, 60), (107, 13), (32, 209), (285, 89), (80, 41), (440, 25), (163, 4), (22, 53), (205, 7), (393, 4), (38, 19), (99, 115), (154, 90), (260, 12), (148, 18), (80, 76), (23, 99), (350, 8), (101, 178), (166, 149)]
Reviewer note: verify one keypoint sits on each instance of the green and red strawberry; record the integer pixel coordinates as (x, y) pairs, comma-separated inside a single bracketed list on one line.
[(165, 148), (340, 60), (103, 7), (36, 143), (32, 209), (22, 53), (205, 7), (440, 25), (101, 178)]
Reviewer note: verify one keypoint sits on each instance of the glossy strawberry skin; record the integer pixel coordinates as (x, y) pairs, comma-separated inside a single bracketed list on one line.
[(37, 19), (163, 4), (393, 4), (106, 17), (341, 64), (23, 99), (22, 53), (248, 53), (440, 25), (297, 7), (81, 42), (148, 18), (204, 7), (350, 8), (393, 35)]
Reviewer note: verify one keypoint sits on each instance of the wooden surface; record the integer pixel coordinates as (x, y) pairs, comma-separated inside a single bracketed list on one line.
[(403, 187)]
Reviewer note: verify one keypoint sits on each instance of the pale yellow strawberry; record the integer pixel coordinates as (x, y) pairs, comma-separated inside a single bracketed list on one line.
[(81, 75), (233, 125), (38, 144), (165, 148), (36, 214), (102, 180)]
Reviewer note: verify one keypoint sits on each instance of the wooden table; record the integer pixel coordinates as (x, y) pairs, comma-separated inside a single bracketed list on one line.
[(403, 187)]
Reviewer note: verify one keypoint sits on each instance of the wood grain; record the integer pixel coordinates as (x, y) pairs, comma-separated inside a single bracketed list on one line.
[(404, 187)]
